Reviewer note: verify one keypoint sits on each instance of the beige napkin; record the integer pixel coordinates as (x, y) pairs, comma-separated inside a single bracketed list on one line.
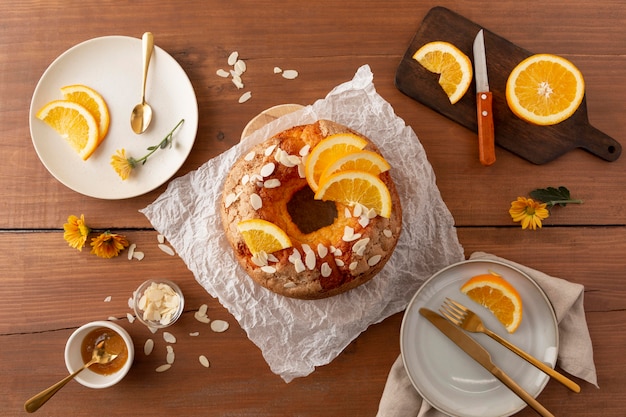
[(400, 399)]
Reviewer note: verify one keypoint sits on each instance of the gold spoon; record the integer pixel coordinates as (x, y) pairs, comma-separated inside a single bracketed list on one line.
[(100, 355), (142, 113)]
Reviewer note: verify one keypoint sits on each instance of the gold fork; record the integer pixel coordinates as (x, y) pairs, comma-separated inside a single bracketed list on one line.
[(468, 320)]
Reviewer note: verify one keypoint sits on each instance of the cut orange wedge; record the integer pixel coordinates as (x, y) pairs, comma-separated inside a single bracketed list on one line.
[(545, 89), (263, 236), (501, 298), (366, 161), (327, 152), (92, 101), (357, 187), (452, 65), (74, 123)]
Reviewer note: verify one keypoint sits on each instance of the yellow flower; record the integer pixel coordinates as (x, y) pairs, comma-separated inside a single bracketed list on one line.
[(529, 212), (122, 165), (76, 231), (108, 244)]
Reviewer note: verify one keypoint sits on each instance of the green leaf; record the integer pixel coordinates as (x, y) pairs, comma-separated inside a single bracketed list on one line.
[(553, 196)]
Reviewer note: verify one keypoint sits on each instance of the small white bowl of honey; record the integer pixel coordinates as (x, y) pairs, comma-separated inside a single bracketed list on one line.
[(81, 344)]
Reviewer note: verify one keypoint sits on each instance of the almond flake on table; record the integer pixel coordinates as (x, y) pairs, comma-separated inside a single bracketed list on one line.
[(245, 97), (148, 346), (171, 356), (219, 326), (204, 361), (169, 338), (130, 318), (131, 250), (107, 299), (290, 74), (167, 249), (163, 368)]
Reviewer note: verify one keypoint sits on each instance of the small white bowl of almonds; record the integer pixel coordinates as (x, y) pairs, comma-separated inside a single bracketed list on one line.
[(158, 303)]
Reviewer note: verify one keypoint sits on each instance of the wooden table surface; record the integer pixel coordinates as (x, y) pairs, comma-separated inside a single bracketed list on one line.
[(49, 289)]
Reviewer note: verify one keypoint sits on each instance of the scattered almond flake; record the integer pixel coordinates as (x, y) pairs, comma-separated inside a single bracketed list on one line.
[(130, 317), (163, 368), (309, 256), (240, 66), (326, 270), (269, 150), (245, 179), (131, 250), (130, 300), (107, 299), (301, 172), (322, 250), (219, 326), (273, 183), (272, 258), (153, 330), (268, 269), (111, 318), (290, 74), (255, 201), (222, 73), (358, 210), (245, 97), (353, 266), (232, 58), (364, 221), (194, 334), (169, 338), (371, 213), (289, 284), (204, 361), (339, 262), (259, 259), (374, 260), (239, 84), (299, 266), (387, 233), (268, 169), (360, 246), (148, 346), (202, 318), (304, 151), (230, 199), (277, 70), (351, 237), (249, 156), (203, 309), (160, 238), (346, 213), (171, 356), (138, 255), (295, 255), (166, 249)]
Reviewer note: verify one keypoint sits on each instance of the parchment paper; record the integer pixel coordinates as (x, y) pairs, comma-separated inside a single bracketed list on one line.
[(295, 336)]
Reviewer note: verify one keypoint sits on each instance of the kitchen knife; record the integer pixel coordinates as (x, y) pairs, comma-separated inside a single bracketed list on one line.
[(484, 113), (480, 355)]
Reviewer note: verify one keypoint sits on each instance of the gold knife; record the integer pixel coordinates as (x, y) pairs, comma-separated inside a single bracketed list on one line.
[(480, 355)]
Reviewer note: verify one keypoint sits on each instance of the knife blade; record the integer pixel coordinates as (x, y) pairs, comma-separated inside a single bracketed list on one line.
[(484, 105), (480, 355)]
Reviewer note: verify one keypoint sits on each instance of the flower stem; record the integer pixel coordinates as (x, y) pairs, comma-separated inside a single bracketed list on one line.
[(165, 142)]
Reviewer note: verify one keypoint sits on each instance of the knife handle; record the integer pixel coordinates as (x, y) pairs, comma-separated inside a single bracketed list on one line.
[(528, 399), (535, 362), (486, 139)]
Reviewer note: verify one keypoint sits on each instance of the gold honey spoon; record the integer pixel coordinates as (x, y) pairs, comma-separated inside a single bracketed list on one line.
[(142, 113)]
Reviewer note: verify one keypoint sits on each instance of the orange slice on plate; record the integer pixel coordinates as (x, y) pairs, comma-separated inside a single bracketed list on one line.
[(92, 101), (496, 294), (452, 65), (74, 123), (545, 89), (357, 187), (327, 152)]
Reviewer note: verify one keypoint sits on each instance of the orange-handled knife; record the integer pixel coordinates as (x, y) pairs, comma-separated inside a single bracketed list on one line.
[(484, 107)]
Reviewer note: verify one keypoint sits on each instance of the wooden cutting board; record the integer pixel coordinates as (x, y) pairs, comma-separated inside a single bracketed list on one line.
[(537, 144)]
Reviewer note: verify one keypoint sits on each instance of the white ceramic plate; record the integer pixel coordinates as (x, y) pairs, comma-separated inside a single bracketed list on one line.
[(112, 65), (452, 381)]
